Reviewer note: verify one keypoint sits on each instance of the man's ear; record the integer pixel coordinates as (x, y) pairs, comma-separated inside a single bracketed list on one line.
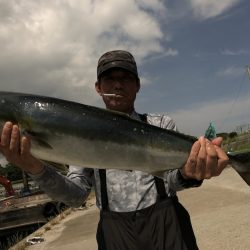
[(98, 88), (138, 85)]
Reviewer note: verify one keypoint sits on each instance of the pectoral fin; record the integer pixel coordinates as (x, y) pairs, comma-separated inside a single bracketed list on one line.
[(37, 137)]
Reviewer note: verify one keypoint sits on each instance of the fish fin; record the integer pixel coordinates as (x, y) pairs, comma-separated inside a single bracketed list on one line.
[(37, 137), (58, 166), (241, 163), (210, 133)]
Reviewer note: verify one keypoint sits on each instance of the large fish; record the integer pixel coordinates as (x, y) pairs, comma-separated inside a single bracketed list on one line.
[(76, 134)]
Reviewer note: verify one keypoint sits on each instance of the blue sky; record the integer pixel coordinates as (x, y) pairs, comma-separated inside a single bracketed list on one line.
[(191, 54)]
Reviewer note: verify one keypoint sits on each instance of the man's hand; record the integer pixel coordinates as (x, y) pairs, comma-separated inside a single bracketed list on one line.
[(206, 160), (16, 149)]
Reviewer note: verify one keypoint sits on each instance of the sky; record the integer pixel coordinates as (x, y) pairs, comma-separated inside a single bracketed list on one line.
[(191, 54)]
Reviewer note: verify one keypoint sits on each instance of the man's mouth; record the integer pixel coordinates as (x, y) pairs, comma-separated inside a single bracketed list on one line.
[(112, 95)]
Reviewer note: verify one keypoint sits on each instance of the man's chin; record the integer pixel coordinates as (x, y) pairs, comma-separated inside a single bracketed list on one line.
[(120, 107)]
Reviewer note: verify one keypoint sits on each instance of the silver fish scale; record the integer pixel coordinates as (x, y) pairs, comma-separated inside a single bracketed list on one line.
[(127, 190)]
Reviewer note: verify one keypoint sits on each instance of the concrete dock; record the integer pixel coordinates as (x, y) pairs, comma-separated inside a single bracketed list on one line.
[(220, 212)]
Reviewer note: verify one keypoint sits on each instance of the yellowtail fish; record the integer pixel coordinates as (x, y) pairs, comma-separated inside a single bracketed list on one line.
[(71, 133)]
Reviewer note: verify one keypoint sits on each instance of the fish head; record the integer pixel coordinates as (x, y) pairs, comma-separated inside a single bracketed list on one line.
[(9, 108), (21, 109), (16, 108)]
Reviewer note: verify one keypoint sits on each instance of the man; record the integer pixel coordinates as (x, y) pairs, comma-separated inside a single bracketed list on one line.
[(138, 211)]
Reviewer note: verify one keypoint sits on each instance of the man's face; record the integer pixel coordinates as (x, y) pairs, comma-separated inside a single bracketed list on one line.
[(122, 83)]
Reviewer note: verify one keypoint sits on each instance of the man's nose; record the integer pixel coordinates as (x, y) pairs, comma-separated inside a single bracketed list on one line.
[(118, 83)]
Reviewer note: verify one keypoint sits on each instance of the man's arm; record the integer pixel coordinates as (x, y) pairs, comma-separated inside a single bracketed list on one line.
[(206, 159), (72, 190)]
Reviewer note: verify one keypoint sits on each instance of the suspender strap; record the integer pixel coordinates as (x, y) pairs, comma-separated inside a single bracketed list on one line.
[(159, 183), (160, 187), (104, 194), (143, 117)]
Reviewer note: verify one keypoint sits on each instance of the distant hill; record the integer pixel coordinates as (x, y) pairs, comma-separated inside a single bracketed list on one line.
[(236, 142)]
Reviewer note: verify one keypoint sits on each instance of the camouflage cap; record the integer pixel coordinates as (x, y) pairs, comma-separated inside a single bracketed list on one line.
[(117, 59)]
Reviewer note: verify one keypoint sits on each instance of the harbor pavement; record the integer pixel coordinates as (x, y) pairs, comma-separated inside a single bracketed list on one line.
[(220, 213)]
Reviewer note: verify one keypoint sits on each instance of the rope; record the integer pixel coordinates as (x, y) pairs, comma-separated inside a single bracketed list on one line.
[(233, 103)]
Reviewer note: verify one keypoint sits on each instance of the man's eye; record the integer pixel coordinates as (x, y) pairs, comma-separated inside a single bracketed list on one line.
[(128, 79), (108, 79), (125, 79)]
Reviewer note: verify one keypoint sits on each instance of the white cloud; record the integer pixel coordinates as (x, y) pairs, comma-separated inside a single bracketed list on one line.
[(156, 5), (52, 47), (239, 52), (227, 114), (204, 9), (168, 52), (231, 72)]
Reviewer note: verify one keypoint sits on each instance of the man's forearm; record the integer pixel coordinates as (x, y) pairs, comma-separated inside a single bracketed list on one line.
[(60, 187)]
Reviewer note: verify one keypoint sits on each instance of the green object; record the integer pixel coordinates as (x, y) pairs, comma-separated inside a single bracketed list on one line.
[(210, 133)]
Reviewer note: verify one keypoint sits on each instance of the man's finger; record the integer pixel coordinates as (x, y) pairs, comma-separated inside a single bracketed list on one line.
[(190, 166), (201, 159), (195, 149), (15, 140), (6, 134), (212, 160), (222, 160), (217, 141), (25, 146)]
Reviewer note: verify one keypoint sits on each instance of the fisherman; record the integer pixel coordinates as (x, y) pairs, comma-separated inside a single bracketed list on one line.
[(137, 210)]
